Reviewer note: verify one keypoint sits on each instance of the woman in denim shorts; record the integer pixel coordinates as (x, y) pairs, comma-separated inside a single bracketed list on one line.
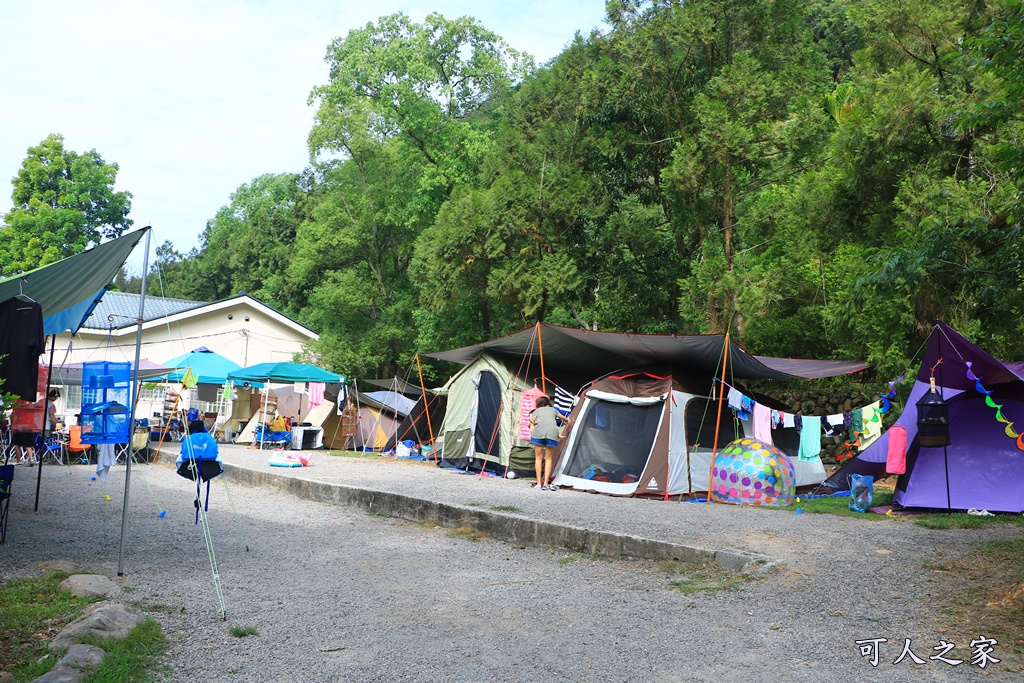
[(544, 421)]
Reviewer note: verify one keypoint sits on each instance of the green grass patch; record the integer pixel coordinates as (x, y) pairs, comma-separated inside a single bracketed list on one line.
[(837, 505), (467, 532), (32, 611), (355, 454), (982, 592), (506, 508), (243, 631), (701, 578), (132, 658), (962, 520), (474, 505)]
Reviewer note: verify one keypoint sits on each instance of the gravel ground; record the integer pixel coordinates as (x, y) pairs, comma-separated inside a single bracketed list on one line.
[(336, 594)]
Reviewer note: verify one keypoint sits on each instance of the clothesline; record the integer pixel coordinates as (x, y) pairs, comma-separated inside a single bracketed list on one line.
[(864, 424)]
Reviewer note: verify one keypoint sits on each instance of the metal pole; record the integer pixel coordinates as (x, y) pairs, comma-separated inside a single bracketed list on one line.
[(945, 452), (47, 428), (131, 418)]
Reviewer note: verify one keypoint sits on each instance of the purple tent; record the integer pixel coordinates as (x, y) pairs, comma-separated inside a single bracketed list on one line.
[(982, 466)]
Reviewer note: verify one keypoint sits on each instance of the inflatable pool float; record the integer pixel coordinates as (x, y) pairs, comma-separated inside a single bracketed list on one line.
[(289, 459)]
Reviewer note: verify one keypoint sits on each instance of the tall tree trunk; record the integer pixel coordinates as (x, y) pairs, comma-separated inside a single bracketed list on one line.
[(485, 316)]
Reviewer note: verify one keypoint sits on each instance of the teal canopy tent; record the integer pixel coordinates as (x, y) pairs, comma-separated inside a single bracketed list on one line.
[(208, 366), (283, 372)]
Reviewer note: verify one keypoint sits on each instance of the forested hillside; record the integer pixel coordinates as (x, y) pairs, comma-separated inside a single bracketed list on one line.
[(823, 178)]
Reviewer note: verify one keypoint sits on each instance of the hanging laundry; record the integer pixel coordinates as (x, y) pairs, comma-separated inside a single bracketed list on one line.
[(316, 394), (810, 437), (762, 423), (735, 399), (788, 420), (105, 460), (833, 425), (776, 419), (847, 419), (856, 424), (564, 400), (896, 456)]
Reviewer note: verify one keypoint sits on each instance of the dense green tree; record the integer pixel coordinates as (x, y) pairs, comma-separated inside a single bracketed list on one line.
[(63, 203), (406, 110), (247, 246)]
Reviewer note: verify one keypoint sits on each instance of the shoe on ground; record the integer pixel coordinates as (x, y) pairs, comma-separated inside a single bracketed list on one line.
[(552, 487), (536, 485)]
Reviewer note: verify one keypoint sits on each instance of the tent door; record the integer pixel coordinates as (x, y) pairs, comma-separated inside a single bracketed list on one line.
[(487, 409), (678, 462)]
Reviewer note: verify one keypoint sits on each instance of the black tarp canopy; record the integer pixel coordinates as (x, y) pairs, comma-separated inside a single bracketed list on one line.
[(589, 354)]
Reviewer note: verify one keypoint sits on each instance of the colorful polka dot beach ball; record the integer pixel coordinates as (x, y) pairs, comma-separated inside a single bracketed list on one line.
[(750, 472)]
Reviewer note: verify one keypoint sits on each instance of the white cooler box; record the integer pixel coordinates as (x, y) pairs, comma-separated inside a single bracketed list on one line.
[(307, 438)]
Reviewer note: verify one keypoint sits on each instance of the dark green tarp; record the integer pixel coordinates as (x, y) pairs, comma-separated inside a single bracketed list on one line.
[(68, 290), (589, 354)]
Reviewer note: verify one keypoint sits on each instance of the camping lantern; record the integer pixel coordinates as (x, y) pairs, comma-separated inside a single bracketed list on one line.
[(932, 419), (106, 396)]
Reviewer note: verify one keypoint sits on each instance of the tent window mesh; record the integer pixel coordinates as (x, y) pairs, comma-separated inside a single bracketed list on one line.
[(614, 441), (700, 424)]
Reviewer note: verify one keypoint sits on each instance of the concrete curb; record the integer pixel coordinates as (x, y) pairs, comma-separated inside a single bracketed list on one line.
[(502, 526)]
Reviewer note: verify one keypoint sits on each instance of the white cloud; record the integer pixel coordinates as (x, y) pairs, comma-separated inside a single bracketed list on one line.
[(191, 99)]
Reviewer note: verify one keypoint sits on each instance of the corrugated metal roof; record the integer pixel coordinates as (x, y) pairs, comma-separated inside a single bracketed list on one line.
[(124, 309)]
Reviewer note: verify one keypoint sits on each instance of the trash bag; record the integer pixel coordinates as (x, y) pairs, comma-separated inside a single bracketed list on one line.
[(862, 491)]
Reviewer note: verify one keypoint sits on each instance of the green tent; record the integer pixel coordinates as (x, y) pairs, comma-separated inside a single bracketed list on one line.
[(481, 425), (69, 289)]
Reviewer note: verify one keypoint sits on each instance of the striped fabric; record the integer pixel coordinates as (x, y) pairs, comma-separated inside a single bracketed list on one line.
[(564, 401)]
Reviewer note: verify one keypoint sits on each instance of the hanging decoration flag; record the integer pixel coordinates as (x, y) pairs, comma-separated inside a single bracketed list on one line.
[(998, 407), (891, 394), (190, 379)]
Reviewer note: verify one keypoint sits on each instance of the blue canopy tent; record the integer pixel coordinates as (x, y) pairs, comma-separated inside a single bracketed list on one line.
[(208, 366)]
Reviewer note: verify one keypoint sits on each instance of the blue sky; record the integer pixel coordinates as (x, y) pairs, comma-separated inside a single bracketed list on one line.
[(191, 98)]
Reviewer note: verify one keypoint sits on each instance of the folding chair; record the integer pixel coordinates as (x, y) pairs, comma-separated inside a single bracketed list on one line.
[(53, 448), (75, 445), (6, 477)]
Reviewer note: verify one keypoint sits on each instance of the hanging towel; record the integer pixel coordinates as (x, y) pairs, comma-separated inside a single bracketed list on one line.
[(564, 400), (833, 425), (896, 459), (316, 394), (105, 460), (788, 420), (810, 437), (735, 399), (763, 423), (856, 424)]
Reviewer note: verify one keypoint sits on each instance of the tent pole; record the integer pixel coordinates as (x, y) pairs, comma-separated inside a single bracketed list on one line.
[(540, 350), (131, 417), (426, 407), (46, 420), (718, 417), (945, 454)]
